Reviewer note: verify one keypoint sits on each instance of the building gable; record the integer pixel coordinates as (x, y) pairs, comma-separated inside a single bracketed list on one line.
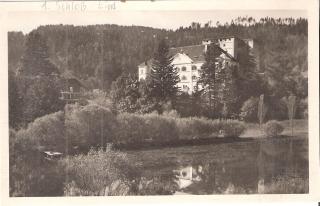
[(181, 58)]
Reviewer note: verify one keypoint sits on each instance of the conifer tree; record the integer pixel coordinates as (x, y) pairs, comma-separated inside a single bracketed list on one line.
[(39, 81), (226, 88), (164, 77), (208, 77), (35, 60)]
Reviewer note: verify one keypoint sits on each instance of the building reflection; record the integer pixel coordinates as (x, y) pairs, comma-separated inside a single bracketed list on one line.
[(253, 175)]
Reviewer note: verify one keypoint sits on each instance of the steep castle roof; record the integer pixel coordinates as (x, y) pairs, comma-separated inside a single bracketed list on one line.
[(194, 52)]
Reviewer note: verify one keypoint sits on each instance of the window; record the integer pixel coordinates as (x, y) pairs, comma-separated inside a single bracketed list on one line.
[(183, 78), (195, 88), (194, 67), (184, 173), (194, 77), (178, 69), (141, 71), (185, 88), (184, 69)]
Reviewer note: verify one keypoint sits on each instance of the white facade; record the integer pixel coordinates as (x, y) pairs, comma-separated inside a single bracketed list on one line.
[(188, 72), (228, 45), (188, 68)]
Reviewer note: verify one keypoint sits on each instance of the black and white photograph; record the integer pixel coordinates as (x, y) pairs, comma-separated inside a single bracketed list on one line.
[(156, 103)]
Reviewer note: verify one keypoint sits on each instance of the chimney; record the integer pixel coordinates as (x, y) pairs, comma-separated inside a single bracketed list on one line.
[(206, 43)]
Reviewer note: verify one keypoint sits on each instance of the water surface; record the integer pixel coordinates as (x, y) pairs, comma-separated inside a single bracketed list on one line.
[(245, 167)]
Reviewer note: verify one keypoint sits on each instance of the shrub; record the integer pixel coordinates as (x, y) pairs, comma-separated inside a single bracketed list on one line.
[(273, 128), (47, 131), (131, 129), (160, 128), (164, 184), (30, 174), (277, 109), (232, 128), (171, 113), (89, 126), (99, 173), (136, 128), (196, 127), (288, 185), (249, 110)]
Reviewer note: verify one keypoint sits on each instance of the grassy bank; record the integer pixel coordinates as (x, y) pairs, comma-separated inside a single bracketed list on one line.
[(300, 129)]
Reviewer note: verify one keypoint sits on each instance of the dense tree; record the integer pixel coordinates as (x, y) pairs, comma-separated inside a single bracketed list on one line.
[(164, 77), (35, 60), (146, 102), (125, 93), (226, 90), (16, 41), (285, 73), (208, 77), (14, 101), (98, 54), (41, 97), (247, 79), (39, 82)]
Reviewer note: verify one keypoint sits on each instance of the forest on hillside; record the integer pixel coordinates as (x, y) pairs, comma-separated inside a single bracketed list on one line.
[(120, 112), (99, 54)]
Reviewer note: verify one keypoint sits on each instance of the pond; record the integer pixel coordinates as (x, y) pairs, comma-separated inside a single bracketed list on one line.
[(245, 167)]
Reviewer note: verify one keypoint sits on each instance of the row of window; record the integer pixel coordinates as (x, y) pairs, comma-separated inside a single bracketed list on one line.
[(184, 78), (178, 69), (186, 88), (185, 68)]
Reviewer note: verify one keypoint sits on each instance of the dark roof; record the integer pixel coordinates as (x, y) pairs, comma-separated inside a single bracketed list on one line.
[(195, 52), (68, 75)]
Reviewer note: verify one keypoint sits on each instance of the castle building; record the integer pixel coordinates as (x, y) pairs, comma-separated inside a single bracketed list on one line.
[(189, 59)]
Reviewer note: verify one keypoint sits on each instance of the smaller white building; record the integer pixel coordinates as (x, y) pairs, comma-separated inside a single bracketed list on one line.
[(189, 59)]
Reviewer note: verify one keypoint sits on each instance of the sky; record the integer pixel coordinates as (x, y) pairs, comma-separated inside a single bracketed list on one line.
[(156, 19)]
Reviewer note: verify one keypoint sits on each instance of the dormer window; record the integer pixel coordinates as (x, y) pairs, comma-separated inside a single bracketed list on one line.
[(184, 69)]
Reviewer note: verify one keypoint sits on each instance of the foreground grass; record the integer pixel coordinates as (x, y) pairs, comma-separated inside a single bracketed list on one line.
[(288, 185)]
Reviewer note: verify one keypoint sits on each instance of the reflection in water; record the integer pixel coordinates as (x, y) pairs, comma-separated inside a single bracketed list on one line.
[(274, 167)]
